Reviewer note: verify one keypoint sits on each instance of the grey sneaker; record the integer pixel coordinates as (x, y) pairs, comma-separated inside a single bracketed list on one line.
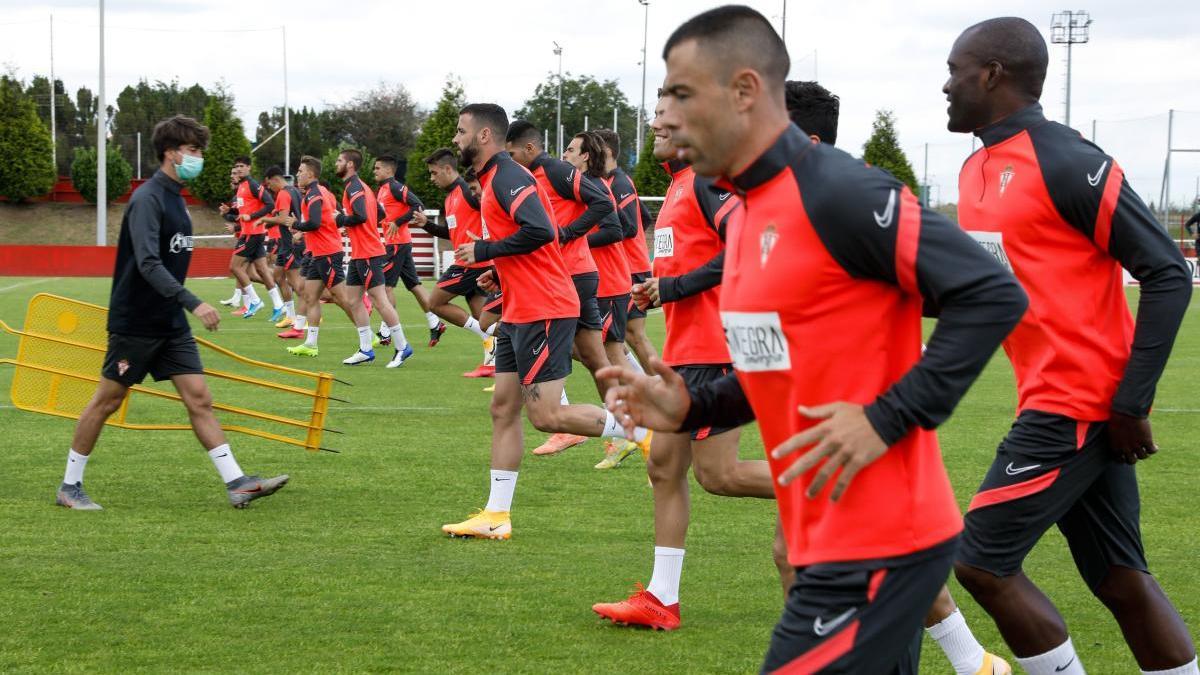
[(73, 497), (248, 488)]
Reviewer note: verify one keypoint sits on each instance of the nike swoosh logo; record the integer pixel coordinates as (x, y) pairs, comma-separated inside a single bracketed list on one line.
[(1065, 666), (622, 197), (513, 193), (539, 349), (884, 219), (500, 479), (1094, 181), (224, 455), (821, 629), (493, 528), (723, 196), (1013, 471)]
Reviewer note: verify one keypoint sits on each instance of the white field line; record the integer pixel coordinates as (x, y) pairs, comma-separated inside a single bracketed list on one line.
[(27, 283)]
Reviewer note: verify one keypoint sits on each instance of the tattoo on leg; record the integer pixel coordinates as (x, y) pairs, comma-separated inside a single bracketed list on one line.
[(530, 393), (600, 421)]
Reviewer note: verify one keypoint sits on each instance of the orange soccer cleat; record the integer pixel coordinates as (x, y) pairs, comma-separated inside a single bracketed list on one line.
[(559, 442), (640, 609), (482, 371)]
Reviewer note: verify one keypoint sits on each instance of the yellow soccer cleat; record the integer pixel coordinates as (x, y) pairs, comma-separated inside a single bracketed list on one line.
[(482, 525), (283, 323), (615, 452), (490, 388), (994, 665), (644, 446), (303, 350)]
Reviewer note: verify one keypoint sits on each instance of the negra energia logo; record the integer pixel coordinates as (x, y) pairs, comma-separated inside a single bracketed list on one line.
[(756, 341), (181, 242)]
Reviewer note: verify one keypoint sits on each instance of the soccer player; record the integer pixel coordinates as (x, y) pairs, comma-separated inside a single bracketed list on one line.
[(360, 218), (287, 207), (579, 204), (253, 202), (400, 206), (148, 333), (831, 365), (1193, 228), (634, 216), (1057, 210), (228, 211), (541, 307), (462, 222)]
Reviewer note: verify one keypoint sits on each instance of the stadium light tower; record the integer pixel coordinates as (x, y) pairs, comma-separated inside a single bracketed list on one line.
[(558, 117), (1069, 28), (642, 110), (101, 150)]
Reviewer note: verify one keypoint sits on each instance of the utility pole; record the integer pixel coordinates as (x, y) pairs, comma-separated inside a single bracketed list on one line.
[(641, 122), (783, 32), (53, 121), (101, 150), (287, 120), (615, 107), (1069, 28), (558, 119)]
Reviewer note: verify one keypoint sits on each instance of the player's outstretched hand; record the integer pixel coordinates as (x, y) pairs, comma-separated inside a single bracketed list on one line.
[(1130, 437), (207, 315), (465, 253), (487, 282), (419, 219), (658, 402), (645, 294), (392, 230), (845, 440)]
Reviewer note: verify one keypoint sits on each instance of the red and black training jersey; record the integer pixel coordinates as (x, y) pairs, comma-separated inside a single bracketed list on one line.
[(319, 222), (578, 204), (253, 199), (360, 217), (631, 212), (608, 250), (287, 202), (398, 205), (688, 234), (522, 244), (826, 273), (462, 217), (1057, 211)]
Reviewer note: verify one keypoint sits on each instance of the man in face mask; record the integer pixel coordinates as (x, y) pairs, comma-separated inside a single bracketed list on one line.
[(148, 332)]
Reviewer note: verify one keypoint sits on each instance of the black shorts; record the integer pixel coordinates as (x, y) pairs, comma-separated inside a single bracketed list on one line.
[(1053, 470), (283, 253), (399, 266), (304, 263), (589, 310), (494, 303), (613, 315), (130, 357), (860, 617), (366, 272), (252, 247), (697, 376), (461, 280), (536, 352), (634, 312), (327, 269)]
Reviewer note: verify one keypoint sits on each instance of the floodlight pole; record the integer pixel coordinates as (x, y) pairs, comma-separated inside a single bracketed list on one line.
[(641, 121), (101, 150), (287, 134), (558, 119), (53, 122), (1069, 28)]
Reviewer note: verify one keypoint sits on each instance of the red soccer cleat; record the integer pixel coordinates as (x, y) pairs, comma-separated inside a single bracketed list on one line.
[(291, 334), (239, 311), (482, 371), (640, 609)]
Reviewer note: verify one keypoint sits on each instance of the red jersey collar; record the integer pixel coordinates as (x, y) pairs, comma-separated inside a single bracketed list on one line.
[(491, 164), (998, 132), (675, 166), (790, 145)]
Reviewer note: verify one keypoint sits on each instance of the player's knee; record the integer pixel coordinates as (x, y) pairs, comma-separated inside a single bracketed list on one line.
[(716, 480), (544, 418), (199, 402), (108, 405), (979, 583), (661, 473), (504, 411), (1123, 588)]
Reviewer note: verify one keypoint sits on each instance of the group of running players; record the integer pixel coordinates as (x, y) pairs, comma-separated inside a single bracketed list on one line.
[(793, 279)]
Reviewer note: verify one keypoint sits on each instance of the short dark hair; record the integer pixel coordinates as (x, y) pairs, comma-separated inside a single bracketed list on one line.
[(177, 131), (488, 115), (593, 145), (522, 131), (442, 156), (353, 156), (312, 163), (742, 37), (272, 172), (387, 160), (242, 159), (611, 139), (813, 108), (1015, 44)]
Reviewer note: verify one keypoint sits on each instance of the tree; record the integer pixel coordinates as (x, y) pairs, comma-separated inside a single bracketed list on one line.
[(437, 132), (648, 174), (882, 149), (144, 105), (583, 98), (365, 172), (311, 134), (227, 141), (383, 120), (27, 169), (117, 173), (66, 117)]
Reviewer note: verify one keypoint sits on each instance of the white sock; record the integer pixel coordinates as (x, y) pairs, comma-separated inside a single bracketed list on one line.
[(398, 339), (432, 319), (664, 580), (248, 297), (504, 483), (384, 331), (962, 649), (473, 326), (289, 310), (364, 338), (310, 340), (1186, 669), (276, 298), (253, 293), (489, 350), (634, 364), (227, 466), (237, 295), (614, 430), (1062, 660), (76, 463), (562, 400), (300, 322)]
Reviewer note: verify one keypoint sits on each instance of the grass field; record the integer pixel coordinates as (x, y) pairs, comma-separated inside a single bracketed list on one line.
[(347, 570)]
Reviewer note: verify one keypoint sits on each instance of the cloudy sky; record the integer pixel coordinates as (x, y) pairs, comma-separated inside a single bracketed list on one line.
[(1144, 59)]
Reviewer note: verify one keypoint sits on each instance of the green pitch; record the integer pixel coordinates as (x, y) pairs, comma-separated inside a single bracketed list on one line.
[(347, 570)]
